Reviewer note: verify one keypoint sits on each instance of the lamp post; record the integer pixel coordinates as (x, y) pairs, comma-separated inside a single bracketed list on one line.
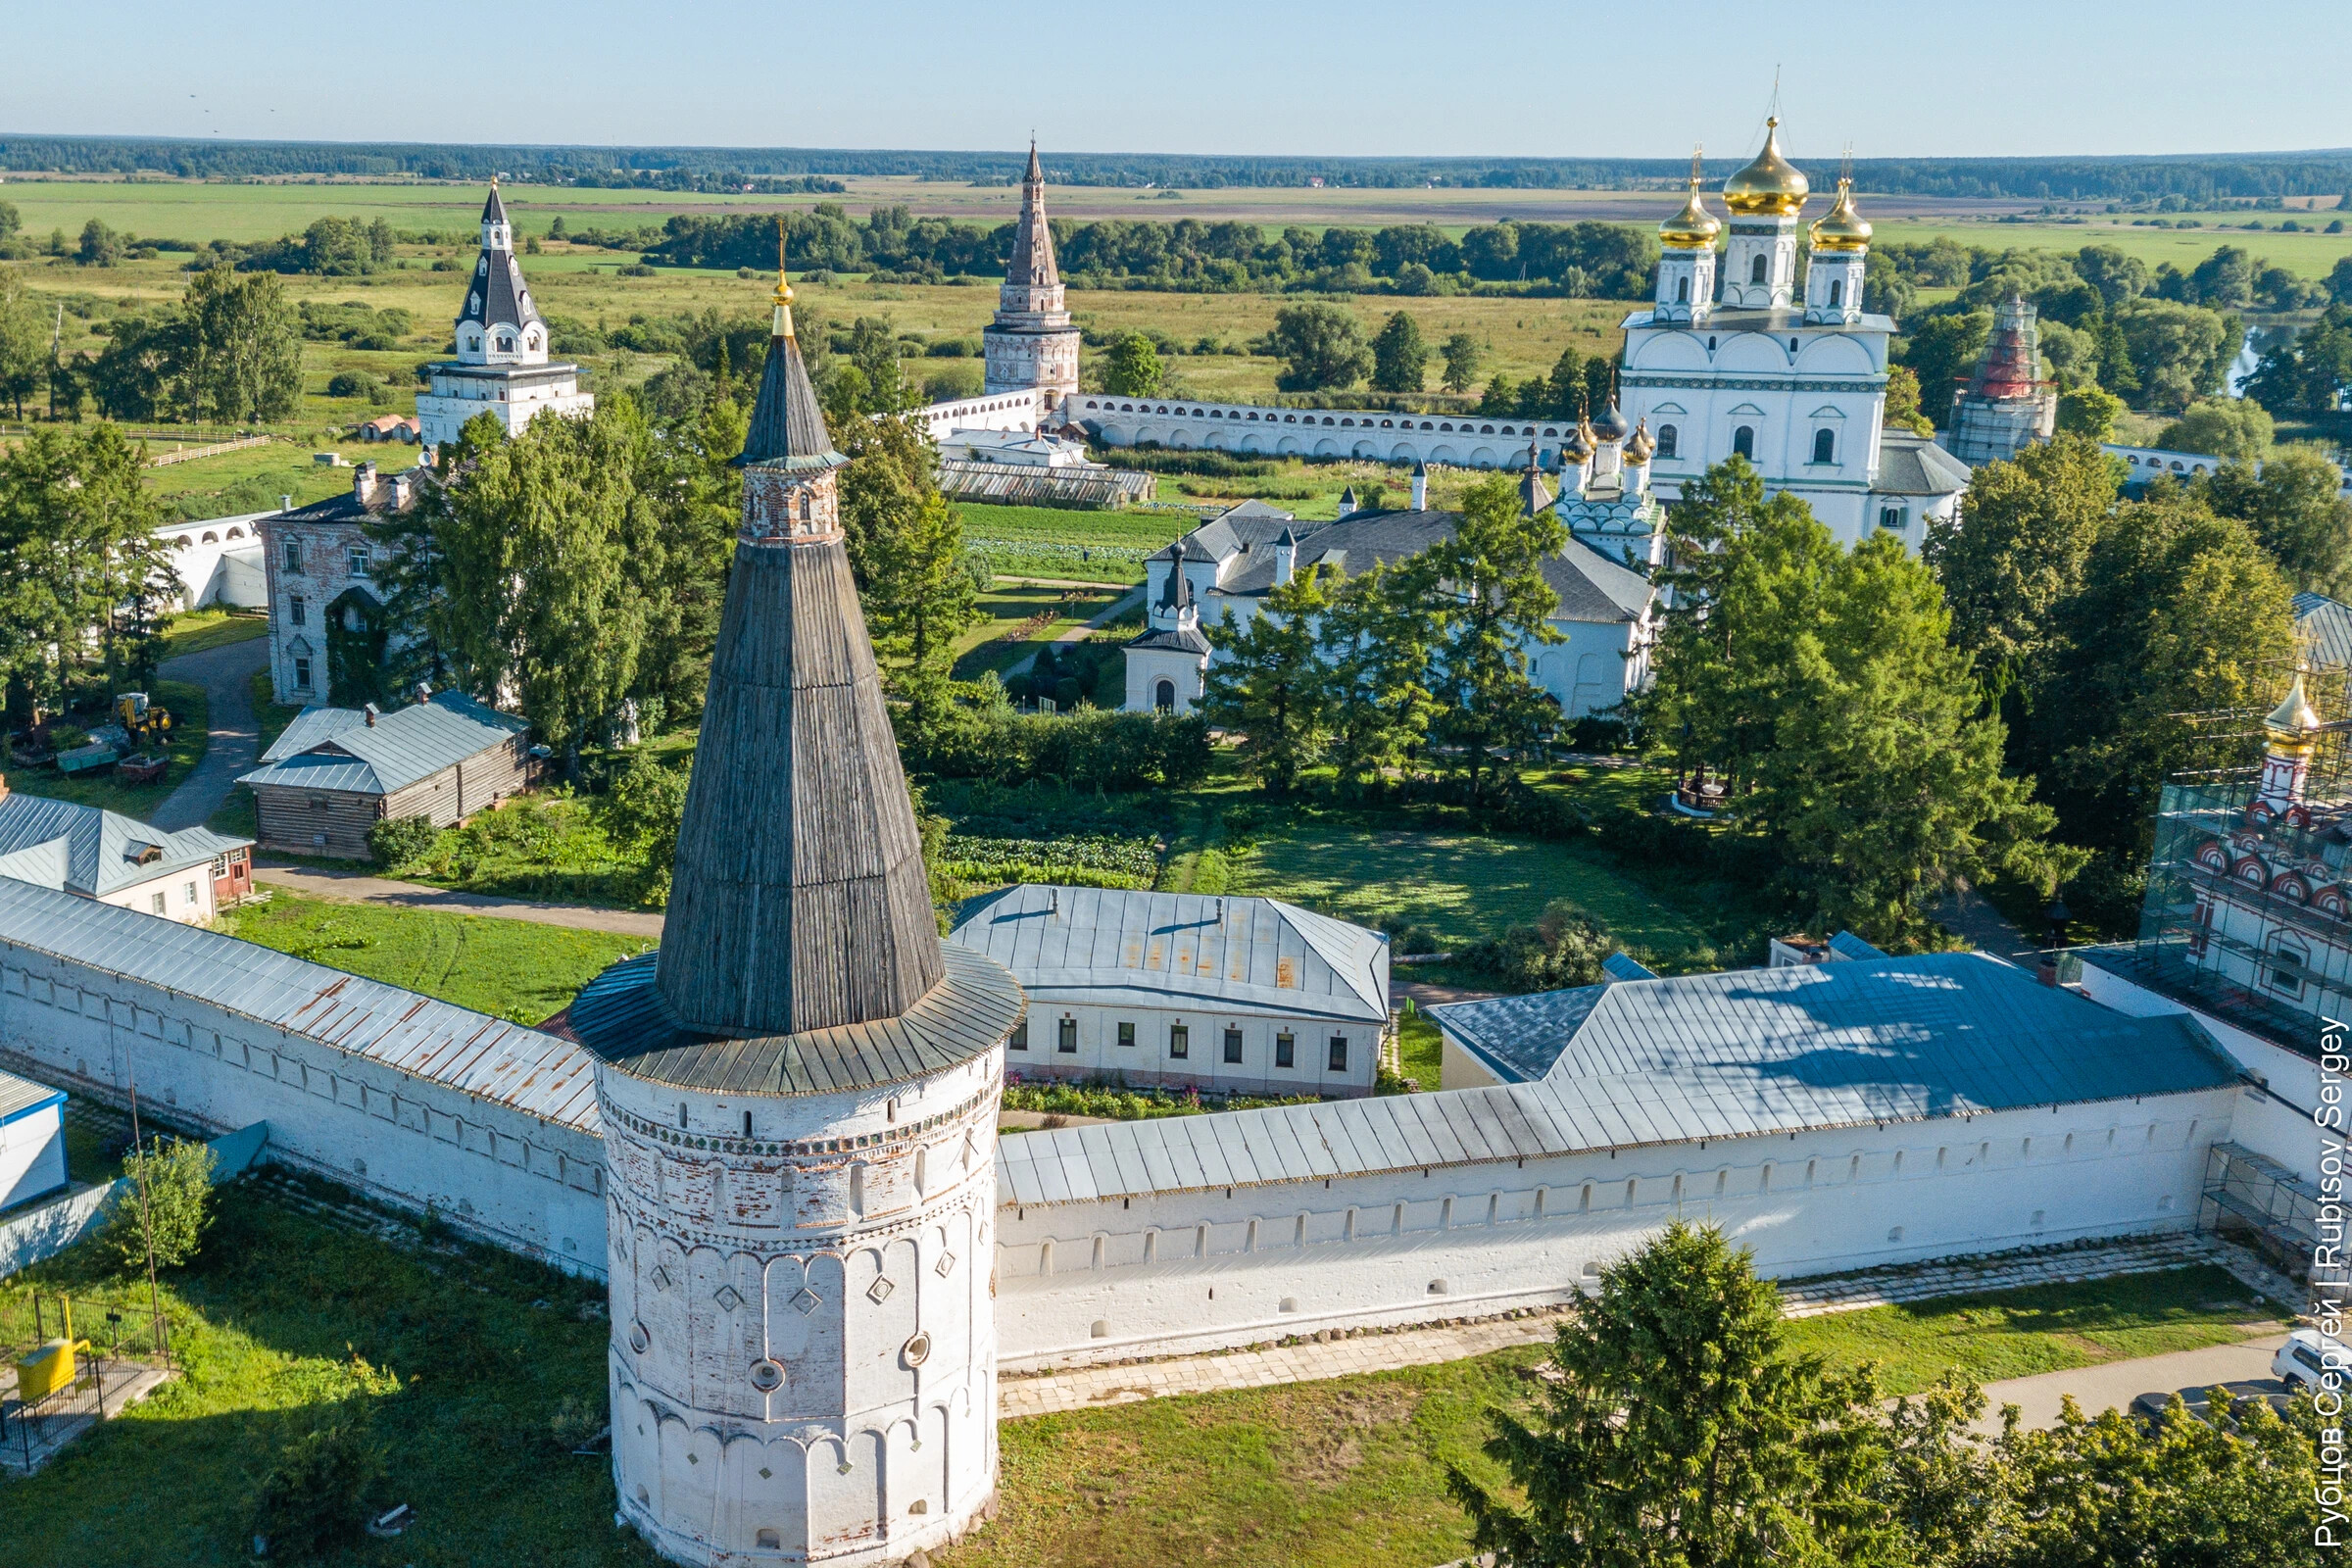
[(2057, 914)]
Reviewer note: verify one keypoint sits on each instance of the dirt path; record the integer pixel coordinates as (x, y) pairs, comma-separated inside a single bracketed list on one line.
[(358, 886), (232, 740)]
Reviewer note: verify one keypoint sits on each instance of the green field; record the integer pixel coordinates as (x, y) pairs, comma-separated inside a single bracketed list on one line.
[(1463, 887), (1107, 547), (1017, 620), (511, 968), (195, 630)]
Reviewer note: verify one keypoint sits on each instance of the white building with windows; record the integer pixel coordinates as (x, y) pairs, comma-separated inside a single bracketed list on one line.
[(1187, 990), (218, 561), (1740, 356), (502, 368)]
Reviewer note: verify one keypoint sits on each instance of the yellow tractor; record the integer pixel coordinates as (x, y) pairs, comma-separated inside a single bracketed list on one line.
[(147, 723)]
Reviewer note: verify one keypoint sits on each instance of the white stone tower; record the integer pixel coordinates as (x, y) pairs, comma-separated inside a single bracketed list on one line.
[(502, 366), (1032, 343), (1833, 268), (798, 1093), (1687, 258), (1759, 263)]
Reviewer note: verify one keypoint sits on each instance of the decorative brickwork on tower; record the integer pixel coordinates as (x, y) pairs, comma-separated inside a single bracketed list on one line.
[(2006, 405), (1032, 342)]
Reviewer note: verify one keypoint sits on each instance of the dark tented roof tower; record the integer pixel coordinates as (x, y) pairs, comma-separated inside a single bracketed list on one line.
[(801, 952)]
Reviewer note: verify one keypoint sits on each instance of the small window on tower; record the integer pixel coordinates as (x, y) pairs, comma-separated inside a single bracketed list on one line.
[(1682, 291), (1744, 442), (1837, 291), (1824, 446), (1755, 271), (1670, 441)]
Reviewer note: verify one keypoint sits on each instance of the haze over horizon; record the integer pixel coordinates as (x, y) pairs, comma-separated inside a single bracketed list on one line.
[(1379, 79)]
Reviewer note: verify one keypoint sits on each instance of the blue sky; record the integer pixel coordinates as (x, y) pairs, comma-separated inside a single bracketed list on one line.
[(1374, 76)]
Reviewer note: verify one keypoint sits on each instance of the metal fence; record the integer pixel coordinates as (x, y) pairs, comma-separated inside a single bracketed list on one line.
[(81, 1360)]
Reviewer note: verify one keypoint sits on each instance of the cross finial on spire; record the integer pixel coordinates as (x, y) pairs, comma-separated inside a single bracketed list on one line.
[(1698, 164)]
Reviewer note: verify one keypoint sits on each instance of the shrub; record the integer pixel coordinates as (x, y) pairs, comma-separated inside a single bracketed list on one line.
[(642, 817), (1563, 947), (634, 269), (353, 384), (1089, 748), (313, 1495), (167, 1203), (402, 840)]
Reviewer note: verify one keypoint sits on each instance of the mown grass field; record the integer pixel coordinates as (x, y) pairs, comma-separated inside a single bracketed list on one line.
[(464, 1357), (510, 968), (1463, 887), (196, 630)]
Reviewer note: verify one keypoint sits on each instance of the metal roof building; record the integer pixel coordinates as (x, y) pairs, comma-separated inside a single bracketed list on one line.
[(339, 748), (488, 1059), (64, 843), (1105, 945), (1637, 1063)]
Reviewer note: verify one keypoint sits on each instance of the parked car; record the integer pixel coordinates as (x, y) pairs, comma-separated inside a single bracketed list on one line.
[(2306, 1353)]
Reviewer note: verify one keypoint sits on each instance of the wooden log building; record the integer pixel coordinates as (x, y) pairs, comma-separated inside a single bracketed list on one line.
[(338, 771)]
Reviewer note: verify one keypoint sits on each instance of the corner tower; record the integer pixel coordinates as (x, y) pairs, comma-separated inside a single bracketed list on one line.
[(1032, 343), (798, 1093)]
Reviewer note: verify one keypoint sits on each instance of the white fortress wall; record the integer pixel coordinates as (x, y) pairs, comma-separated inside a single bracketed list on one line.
[(407, 1133), (1173, 1272), (1466, 441), (996, 411)]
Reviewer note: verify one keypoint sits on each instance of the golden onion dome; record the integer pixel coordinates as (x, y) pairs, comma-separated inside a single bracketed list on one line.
[(2294, 721), (1641, 449), (1693, 229), (1580, 445), (1841, 229), (1771, 186)]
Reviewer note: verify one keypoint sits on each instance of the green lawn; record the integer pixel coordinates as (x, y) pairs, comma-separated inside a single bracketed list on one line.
[(1462, 886), (1350, 1473), (193, 631), (100, 787), (513, 968), (1003, 634), (463, 1357)]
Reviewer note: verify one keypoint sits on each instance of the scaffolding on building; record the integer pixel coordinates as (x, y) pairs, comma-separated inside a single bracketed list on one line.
[(2258, 1202)]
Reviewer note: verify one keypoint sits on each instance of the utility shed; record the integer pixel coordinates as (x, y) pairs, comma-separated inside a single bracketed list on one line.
[(32, 1140), (338, 771), (1231, 995)]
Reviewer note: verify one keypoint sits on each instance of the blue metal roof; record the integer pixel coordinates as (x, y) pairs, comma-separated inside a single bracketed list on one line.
[(1100, 945), (487, 1058), (1847, 945), (1652, 1061), (102, 851), (1625, 966), (339, 750)]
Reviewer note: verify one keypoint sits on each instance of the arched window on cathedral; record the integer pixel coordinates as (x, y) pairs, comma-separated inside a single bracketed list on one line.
[(1744, 442), (1755, 270), (1837, 292), (1670, 441), (1824, 446), (1163, 697), (1682, 291)]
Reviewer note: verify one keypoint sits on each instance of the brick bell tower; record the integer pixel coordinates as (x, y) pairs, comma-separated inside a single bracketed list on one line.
[(799, 1095), (1032, 342)]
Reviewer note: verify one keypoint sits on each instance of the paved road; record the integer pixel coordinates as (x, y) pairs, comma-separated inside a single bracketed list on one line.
[(232, 743), (2114, 1385), (1966, 915), (358, 886), (1076, 634)]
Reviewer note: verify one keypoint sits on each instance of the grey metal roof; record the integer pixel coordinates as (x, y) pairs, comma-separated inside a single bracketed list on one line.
[(487, 1058), (44, 864), (1847, 945), (623, 1017), (1591, 587), (102, 850), (400, 748), (21, 1095), (311, 726), (497, 295), (1625, 966), (1733, 1054), (1031, 264), (1103, 944), (788, 426), (2326, 627), (1180, 639), (1913, 466)]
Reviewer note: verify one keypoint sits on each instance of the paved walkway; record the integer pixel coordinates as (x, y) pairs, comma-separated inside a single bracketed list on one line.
[(1079, 633), (358, 886), (2114, 1385), (1345, 1352), (232, 741)]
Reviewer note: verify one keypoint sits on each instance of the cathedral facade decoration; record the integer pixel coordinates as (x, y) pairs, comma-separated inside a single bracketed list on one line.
[(504, 368)]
